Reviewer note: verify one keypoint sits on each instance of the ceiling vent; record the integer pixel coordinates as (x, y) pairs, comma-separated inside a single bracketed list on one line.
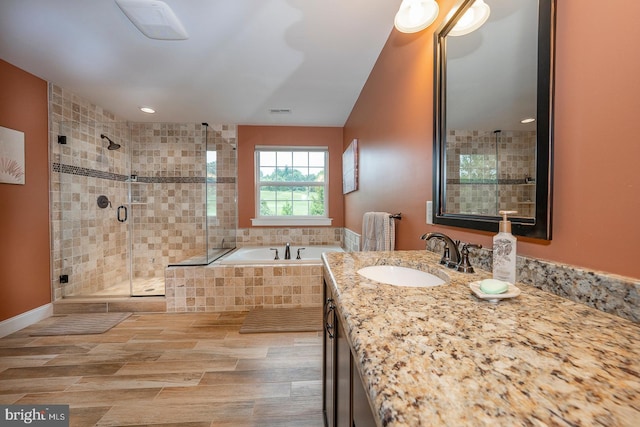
[(154, 19), (280, 110)]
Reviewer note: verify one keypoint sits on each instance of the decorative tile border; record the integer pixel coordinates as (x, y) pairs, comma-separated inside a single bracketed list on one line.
[(93, 173)]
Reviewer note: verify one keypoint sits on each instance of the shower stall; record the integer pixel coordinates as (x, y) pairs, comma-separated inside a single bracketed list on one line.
[(130, 199), (489, 171)]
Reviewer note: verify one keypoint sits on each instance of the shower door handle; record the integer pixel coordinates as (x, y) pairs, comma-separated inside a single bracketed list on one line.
[(121, 209)]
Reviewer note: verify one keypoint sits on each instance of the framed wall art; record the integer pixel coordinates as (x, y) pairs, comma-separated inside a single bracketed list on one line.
[(350, 168), (11, 156)]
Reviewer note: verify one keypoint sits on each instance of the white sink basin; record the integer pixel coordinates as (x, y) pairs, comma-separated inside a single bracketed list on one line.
[(400, 276)]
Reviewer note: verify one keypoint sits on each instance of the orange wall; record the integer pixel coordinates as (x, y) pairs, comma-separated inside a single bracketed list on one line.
[(596, 179), (24, 209), (250, 136)]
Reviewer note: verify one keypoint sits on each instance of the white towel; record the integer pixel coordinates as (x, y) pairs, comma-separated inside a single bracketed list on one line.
[(378, 232)]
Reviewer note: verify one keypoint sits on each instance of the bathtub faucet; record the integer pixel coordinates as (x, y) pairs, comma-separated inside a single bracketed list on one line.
[(287, 251)]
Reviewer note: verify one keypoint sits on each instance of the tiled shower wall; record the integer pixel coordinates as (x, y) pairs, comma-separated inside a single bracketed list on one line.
[(170, 217), (168, 214), (86, 240), (512, 153)]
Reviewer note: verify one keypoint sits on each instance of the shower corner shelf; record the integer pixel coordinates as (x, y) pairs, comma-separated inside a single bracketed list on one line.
[(138, 195)]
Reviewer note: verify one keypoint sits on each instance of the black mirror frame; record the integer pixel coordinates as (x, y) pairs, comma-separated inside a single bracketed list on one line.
[(540, 226)]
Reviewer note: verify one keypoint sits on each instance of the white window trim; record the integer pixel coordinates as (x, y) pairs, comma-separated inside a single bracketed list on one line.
[(285, 221)]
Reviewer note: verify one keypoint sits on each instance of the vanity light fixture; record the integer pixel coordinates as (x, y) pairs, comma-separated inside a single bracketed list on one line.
[(472, 19), (147, 110), (154, 19), (416, 15), (527, 120)]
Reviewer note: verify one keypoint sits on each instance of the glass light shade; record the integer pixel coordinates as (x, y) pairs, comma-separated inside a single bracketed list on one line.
[(472, 19), (416, 15)]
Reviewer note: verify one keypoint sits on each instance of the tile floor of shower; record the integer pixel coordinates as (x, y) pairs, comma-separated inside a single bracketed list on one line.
[(151, 286)]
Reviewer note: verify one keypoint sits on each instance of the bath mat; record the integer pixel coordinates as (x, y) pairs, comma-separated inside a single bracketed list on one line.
[(305, 319), (80, 324)]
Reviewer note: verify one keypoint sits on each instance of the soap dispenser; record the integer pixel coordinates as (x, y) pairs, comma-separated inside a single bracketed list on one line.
[(504, 251)]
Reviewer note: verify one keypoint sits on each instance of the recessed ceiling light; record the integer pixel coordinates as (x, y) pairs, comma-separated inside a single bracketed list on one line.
[(527, 120), (148, 110)]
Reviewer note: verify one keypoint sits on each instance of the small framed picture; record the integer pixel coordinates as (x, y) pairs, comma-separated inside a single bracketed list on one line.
[(350, 168), (11, 156)]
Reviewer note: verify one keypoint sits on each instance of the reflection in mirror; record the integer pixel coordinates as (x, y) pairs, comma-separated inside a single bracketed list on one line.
[(493, 118)]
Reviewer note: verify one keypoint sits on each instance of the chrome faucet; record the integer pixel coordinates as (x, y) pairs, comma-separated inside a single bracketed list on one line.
[(451, 256), (287, 251)]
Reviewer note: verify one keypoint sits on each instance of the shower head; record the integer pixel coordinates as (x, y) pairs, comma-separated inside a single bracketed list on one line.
[(112, 145)]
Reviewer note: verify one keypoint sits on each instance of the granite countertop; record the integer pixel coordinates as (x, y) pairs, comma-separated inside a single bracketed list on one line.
[(443, 357)]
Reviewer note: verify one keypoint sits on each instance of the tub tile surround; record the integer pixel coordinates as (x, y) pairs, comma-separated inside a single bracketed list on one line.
[(440, 356), (216, 288), (299, 236), (351, 241)]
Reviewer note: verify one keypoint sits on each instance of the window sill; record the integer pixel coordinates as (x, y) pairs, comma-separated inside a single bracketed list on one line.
[(290, 221)]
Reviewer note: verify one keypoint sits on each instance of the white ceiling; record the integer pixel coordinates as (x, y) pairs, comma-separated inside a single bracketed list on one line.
[(491, 73), (242, 58)]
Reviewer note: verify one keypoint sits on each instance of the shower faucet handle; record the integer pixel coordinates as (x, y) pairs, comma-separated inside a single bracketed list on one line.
[(275, 249), (300, 249)]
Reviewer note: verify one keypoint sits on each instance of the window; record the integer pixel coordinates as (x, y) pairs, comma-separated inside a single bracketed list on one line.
[(291, 184), (212, 206), (478, 168)]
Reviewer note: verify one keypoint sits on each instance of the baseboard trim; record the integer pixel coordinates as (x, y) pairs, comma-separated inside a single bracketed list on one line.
[(23, 320)]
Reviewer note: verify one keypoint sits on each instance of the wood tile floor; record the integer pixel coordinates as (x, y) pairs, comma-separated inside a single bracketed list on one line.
[(169, 369)]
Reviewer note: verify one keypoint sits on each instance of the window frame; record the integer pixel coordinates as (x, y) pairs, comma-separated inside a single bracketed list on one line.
[(288, 220), (211, 181)]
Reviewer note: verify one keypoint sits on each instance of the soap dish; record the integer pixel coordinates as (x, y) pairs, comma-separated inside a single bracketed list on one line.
[(512, 292)]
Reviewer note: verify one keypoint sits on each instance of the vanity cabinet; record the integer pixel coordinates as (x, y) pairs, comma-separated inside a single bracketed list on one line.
[(361, 415), (345, 402)]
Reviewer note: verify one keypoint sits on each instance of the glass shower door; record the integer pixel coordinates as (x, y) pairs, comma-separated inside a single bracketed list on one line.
[(90, 164)]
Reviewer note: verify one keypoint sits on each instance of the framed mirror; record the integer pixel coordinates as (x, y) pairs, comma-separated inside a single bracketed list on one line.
[(493, 110)]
